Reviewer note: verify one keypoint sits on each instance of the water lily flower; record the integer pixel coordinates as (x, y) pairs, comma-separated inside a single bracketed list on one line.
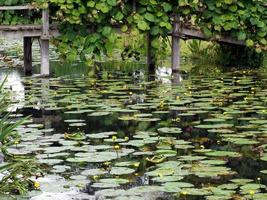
[(117, 147), (114, 138), (251, 192), (36, 185)]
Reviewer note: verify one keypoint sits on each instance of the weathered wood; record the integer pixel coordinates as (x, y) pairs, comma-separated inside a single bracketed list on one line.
[(151, 63), (45, 43), (27, 49), (175, 46), (134, 6), (20, 27), (45, 57), (45, 24), (17, 32), (26, 7), (197, 34)]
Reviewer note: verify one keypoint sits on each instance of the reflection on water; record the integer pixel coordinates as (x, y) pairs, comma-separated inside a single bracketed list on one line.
[(14, 83)]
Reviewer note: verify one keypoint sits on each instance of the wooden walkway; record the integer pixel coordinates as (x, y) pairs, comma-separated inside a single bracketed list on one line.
[(42, 32), (45, 31)]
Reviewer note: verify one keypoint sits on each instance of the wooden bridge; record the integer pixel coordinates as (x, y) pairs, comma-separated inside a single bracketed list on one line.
[(45, 31), (42, 32)]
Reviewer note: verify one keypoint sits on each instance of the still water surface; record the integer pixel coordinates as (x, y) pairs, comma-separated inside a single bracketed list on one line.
[(120, 136)]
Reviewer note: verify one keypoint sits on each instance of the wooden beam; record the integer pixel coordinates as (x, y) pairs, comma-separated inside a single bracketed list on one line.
[(45, 43), (27, 51), (26, 7), (197, 34), (19, 27)]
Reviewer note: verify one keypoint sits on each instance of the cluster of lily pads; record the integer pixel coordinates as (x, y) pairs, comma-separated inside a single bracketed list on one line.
[(123, 139)]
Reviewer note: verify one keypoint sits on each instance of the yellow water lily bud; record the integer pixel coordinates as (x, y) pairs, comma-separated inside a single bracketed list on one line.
[(114, 138), (95, 177), (251, 192), (136, 164), (258, 179), (36, 185), (126, 138), (117, 147), (183, 193), (202, 146), (107, 163), (130, 93)]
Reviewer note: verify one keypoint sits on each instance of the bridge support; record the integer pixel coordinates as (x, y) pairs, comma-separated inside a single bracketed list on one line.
[(45, 43), (45, 57), (175, 46), (27, 49)]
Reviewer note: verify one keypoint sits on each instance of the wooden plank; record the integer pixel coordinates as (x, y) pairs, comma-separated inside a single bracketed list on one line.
[(20, 31), (20, 34), (196, 34), (27, 50), (20, 27), (26, 7)]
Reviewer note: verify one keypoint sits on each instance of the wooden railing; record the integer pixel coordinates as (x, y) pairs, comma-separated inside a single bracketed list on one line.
[(44, 30)]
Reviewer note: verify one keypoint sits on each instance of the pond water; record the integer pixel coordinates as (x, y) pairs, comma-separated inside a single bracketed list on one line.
[(120, 136)]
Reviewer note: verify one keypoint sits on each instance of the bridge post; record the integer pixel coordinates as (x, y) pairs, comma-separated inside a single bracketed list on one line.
[(45, 43), (27, 51), (175, 46)]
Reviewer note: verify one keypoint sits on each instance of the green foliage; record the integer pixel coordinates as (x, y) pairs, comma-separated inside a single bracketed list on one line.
[(18, 179), (13, 2), (19, 17), (89, 28)]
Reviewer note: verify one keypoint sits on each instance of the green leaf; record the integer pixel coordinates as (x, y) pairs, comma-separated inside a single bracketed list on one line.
[(106, 31), (167, 7), (149, 17), (207, 32), (112, 2), (124, 28), (91, 4), (142, 25), (119, 16), (242, 36), (249, 43), (228, 1)]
